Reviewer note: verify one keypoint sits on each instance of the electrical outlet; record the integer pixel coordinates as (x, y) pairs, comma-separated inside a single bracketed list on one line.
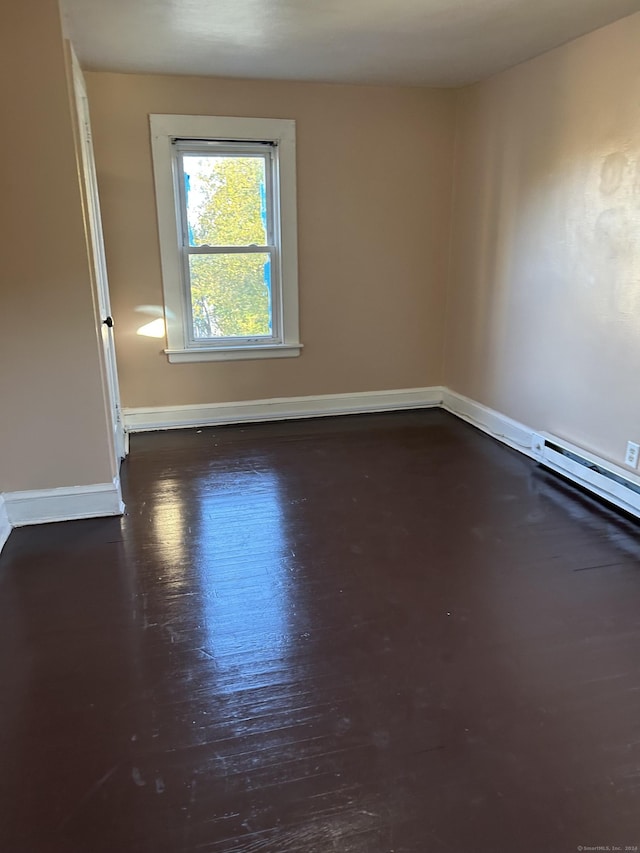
[(631, 457)]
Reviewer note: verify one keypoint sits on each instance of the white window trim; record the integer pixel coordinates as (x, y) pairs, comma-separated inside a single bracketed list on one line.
[(282, 132)]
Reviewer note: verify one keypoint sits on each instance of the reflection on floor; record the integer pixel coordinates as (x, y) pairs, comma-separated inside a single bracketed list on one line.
[(376, 633)]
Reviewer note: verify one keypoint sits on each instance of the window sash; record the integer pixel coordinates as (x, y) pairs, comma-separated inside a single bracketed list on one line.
[(249, 249), (268, 152), (233, 341)]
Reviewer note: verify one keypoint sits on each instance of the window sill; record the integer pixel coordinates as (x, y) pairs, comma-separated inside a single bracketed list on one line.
[(180, 356)]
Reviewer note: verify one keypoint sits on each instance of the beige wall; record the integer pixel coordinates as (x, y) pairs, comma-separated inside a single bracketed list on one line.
[(374, 188), (544, 306), (53, 426)]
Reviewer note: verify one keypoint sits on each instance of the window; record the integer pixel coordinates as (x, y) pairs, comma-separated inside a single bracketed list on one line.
[(226, 200)]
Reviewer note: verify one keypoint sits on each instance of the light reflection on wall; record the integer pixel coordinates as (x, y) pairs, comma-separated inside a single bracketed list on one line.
[(155, 329), (244, 561)]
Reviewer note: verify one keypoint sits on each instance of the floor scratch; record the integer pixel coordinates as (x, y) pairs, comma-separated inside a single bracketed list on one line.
[(87, 796)]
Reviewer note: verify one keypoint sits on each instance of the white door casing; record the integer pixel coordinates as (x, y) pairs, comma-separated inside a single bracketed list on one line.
[(98, 256)]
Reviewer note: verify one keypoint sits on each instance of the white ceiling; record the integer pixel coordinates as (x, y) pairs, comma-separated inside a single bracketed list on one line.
[(420, 42)]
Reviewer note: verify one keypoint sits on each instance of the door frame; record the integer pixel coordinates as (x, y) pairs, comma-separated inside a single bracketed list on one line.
[(95, 243)]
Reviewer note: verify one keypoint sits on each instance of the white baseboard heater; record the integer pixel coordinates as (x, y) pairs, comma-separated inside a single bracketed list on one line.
[(597, 475)]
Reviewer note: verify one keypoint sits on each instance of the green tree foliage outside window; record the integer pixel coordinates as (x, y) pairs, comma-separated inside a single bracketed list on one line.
[(229, 292)]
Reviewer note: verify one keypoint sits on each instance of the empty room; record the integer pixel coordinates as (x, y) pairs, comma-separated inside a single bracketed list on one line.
[(318, 531)]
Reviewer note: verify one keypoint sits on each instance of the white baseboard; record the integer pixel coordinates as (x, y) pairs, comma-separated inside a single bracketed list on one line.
[(65, 504), (5, 524), (105, 499), (495, 424), (535, 445), (279, 409)]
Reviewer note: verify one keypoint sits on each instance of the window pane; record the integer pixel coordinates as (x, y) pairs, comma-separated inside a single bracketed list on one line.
[(231, 295), (226, 200)]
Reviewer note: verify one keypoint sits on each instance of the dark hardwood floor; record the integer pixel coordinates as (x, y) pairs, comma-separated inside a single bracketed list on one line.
[(379, 634)]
